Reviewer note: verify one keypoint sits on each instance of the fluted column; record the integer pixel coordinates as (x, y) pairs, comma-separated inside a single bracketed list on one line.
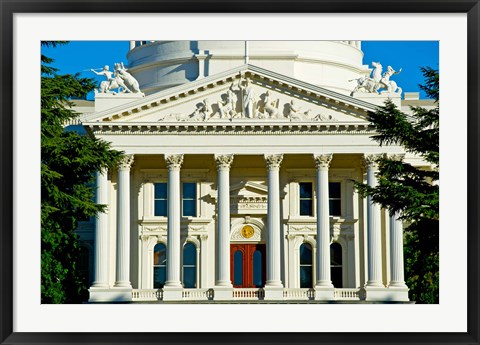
[(123, 224), (322, 163), (224, 162), (273, 221), (397, 278), (174, 162), (101, 233), (373, 227)]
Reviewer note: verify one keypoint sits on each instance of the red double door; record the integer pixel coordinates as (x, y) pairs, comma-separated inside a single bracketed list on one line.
[(248, 265)]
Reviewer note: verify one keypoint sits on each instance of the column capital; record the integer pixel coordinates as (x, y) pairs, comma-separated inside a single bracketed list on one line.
[(371, 160), (174, 162), (273, 160), (396, 156), (322, 161), (126, 162), (224, 161)]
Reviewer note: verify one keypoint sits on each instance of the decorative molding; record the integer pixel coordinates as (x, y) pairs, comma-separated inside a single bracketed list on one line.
[(273, 160), (224, 161), (204, 237), (322, 161), (396, 156), (174, 162)]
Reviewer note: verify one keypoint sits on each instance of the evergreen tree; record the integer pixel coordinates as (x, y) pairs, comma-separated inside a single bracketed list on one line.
[(69, 161), (413, 191)]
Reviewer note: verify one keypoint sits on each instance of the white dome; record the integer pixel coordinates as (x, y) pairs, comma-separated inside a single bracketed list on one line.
[(158, 65)]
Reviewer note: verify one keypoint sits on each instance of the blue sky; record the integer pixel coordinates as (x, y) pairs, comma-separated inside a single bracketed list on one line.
[(80, 56)]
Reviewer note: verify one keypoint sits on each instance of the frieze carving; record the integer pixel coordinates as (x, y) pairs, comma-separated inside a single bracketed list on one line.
[(174, 161), (224, 161), (126, 162), (253, 232), (323, 161), (273, 160), (396, 157), (204, 237)]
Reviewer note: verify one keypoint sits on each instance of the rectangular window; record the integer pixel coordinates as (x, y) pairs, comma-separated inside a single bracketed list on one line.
[(189, 199), (334, 198), (160, 199), (306, 199)]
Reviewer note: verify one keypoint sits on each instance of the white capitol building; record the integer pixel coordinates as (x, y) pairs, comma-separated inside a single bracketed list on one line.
[(238, 181)]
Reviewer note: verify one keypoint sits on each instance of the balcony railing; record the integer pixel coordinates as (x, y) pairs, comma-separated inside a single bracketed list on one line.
[(244, 294)]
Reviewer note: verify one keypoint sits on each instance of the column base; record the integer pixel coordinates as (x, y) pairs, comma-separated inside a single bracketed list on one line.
[(223, 293), (172, 293), (110, 294), (273, 292), (383, 294), (324, 293)]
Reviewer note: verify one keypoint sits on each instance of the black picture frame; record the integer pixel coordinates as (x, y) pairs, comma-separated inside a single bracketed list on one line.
[(10, 7)]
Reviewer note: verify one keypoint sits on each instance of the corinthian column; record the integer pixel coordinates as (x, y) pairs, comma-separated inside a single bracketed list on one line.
[(174, 162), (273, 285), (373, 227), (323, 285), (224, 162), (123, 224)]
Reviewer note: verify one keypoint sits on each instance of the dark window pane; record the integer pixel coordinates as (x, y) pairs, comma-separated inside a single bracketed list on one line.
[(335, 254), (335, 208), (257, 269), (306, 207), (334, 190), (336, 274), (305, 254), (160, 190), (189, 254), (189, 208), (161, 208), (159, 276), (305, 190), (189, 190), (305, 276), (159, 254), (238, 268), (189, 277)]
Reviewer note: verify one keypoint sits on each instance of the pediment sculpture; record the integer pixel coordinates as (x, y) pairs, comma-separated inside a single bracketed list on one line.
[(377, 82), (120, 79), (241, 102)]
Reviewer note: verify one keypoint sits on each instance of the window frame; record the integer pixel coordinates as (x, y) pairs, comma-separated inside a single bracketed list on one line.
[(153, 264), (311, 265), (312, 199), (335, 199), (196, 199), (154, 199), (196, 285)]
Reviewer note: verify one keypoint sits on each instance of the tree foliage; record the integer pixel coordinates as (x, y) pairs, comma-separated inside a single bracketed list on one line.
[(413, 191), (69, 161)]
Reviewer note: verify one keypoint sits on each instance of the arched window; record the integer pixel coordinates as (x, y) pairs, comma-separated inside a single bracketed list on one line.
[(257, 269), (336, 265), (189, 266), (306, 280), (238, 268), (159, 265)]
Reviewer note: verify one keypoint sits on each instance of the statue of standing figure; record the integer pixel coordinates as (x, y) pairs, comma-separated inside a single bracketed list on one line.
[(248, 99)]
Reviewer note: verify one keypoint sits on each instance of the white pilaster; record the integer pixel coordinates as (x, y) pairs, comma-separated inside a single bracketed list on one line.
[(173, 286), (100, 283), (397, 282), (123, 228), (101, 233), (273, 285), (323, 287), (223, 284), (373, 227)]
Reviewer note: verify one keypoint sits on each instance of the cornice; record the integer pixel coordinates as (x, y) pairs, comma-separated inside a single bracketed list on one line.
[(231, 128)]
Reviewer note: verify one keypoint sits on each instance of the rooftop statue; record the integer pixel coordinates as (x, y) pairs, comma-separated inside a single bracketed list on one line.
[(377, 81), (120, 79)]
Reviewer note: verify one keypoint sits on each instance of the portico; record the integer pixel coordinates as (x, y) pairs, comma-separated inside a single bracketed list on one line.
[(219, 206)]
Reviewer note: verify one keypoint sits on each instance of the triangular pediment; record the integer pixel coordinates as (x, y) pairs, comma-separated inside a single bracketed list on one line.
[(248, 188), (227, 97)]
